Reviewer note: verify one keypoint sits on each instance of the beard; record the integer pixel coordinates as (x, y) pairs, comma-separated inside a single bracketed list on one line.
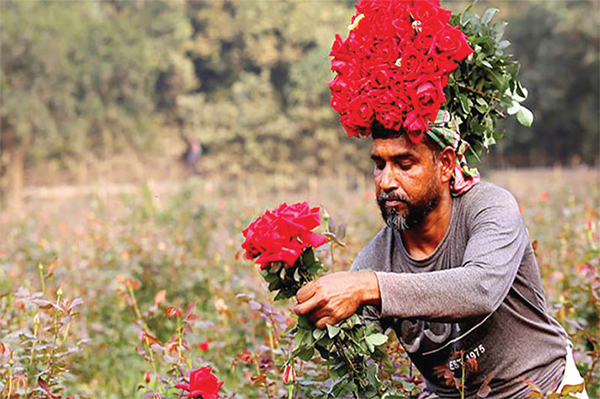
[(415, 212)]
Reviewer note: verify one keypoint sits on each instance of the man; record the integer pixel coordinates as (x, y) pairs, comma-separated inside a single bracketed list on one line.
[(455, 276)]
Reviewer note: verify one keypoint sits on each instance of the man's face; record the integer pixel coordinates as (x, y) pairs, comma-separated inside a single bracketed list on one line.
[(406, 181)]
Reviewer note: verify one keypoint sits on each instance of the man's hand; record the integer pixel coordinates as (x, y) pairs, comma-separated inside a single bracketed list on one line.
[(335, 297)]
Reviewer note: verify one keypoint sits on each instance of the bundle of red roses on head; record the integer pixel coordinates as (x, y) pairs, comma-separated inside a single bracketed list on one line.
[(282, 243), (394, 65)]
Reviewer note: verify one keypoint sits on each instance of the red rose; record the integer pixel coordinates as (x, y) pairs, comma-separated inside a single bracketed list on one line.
[(415, 124), (281, 235), (203, 384), (361, 111), (391, 118), (424, 41), (431, 65), (452, 44), (410, 64), (427, 96), (431, 15), (351, 128)]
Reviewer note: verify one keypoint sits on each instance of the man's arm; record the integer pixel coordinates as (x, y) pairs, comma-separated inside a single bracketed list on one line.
[(491, 261)]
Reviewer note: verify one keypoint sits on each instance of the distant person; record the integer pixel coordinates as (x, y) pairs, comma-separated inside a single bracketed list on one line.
[(193, 150), (453, 272)]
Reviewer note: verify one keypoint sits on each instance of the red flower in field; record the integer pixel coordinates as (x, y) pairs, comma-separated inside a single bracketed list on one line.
[(544, 196), (203, 346), (173, 312), (203, 384), (245, 357), (281, 235), (289, 377)]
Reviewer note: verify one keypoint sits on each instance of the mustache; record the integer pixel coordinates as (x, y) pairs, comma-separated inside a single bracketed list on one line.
[(391, 196)]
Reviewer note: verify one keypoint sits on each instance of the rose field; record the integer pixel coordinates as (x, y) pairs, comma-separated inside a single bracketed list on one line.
[(122, 294)]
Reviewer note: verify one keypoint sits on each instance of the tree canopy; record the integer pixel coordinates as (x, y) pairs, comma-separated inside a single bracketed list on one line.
[(249, 79)]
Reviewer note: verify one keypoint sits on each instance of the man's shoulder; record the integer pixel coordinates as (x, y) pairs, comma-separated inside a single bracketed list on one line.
[(373, 255), (486, 194), (488, 203)]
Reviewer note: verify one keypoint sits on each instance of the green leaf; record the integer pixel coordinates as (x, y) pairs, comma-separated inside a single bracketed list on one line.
[(498, 30), (568, 389), (464, 103), (332, 331), (318, 334), (306, 353), (503, 44), (377, 339), (525, 117), (514, 108), (486, 64), (521, 91), (488, 15)]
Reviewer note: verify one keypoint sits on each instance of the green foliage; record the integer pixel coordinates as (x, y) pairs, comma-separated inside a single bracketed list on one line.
[(80, 77), (484, 89)]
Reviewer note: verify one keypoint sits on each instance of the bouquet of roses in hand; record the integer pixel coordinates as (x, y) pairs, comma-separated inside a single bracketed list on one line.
[(283, 244)]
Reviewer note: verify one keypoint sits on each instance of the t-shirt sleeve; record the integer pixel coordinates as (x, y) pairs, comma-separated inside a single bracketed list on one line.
[(495, 247)]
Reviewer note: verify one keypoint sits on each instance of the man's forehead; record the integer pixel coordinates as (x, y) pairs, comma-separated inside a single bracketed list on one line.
[(395, 146)]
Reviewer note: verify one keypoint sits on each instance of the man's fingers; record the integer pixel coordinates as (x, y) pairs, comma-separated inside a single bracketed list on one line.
[(318, 314), (322, 323), (306, 292), (305, 307)]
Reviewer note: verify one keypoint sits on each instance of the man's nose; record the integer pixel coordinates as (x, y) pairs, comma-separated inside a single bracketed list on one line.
[(388, 181)]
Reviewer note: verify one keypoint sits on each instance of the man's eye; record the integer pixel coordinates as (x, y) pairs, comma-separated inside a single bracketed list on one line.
[(379, 165), (405, 165)]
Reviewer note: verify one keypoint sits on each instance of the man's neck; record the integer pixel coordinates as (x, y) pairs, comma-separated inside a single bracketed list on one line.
[(422, 240)]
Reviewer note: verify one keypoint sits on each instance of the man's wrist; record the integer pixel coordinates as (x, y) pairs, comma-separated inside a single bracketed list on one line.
[(369, 289)]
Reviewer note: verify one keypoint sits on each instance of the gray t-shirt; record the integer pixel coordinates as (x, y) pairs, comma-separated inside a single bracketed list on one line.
[(479, 292)]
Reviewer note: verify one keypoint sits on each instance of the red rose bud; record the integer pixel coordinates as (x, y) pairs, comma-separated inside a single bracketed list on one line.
[(289, 377), (147, 377), (203, 384), (203, 346), (172, 312)]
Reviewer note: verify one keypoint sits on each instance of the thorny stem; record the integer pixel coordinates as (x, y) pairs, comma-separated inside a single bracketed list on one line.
[(41, 271), (136, 308), (11, 362), (179, 338), (139, 317), (55, 326), (348, 362), (153, 362), (36, 324)]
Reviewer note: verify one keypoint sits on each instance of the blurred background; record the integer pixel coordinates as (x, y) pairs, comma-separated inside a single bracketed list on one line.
[(127, 91), (138, 139)]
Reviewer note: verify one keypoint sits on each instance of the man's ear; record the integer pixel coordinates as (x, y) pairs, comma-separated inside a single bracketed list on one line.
[(447, 162)]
